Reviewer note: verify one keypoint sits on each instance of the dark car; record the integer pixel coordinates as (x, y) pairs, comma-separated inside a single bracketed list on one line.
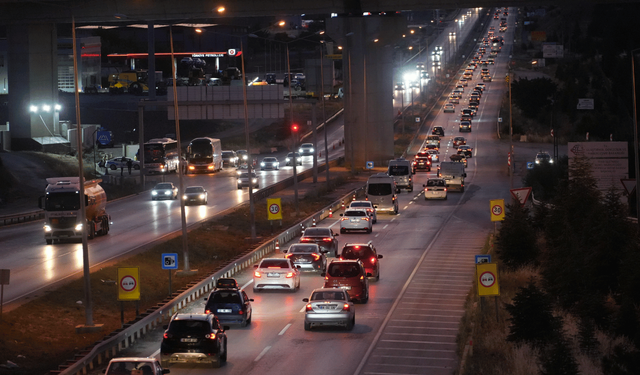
[(349, 275), (421, 161), (323, 237), (164, 190), (438, 130), (230, 305), (197, 338), (306, 256), (366, 253), (289, 159), (195, 195), (229, 159)]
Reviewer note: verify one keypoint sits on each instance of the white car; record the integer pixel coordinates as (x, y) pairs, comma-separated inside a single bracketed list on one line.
[(306, 149), (135, 365), (356, 219), (117, 163), (449, 108), (289, 159), (164, 190), (276, 273), (366, 205), (435, 155), (243, 180), (435, 188)]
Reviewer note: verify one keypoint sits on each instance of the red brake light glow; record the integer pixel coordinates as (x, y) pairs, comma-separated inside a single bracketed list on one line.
[(315, 256), (345, 307), (373, 260), (166, 335), (308, 307), (288, 255), (207, 311), (257, 274), (289, 275), (327, 239), (210, 336)]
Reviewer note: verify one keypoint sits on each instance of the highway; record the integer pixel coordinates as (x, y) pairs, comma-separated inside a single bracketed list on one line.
[(410, 322)]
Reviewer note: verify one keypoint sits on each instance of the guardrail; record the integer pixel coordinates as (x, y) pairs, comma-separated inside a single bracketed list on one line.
[(21, 218)]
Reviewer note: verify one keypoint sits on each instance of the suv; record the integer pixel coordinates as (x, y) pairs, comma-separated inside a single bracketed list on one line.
[(230, 305), (438, 130), (349, 275), (134, 365), (365, 253), (195, 338), (323, 237), (543, 157)]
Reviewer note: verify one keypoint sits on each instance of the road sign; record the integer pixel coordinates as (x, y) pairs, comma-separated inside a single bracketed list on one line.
[(484, 258), (629, 185), (521, 194), (497, 209), (128, 284), (369, 165), (530, 165), (274, 208), (586, 103), (487, 276), (170, 261)]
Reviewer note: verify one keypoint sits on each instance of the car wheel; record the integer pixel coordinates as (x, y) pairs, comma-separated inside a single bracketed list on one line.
[(351, 323), (378, 275), (307, 326), (224, 356), (375, 221), (113, 167), (239, 187), (49, 241), (366, 299), (411, 188), (369, 230), (136, 167), (335, 255), (342, 231), (218, 360)]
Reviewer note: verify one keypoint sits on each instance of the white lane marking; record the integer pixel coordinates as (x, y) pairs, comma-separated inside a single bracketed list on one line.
[(334, 223), (377, 235), (262, 354), (247, 284), (155, 354), (393, 219), (411, 202), (303, 308), (385, 226), (284, 329), (405, 207)]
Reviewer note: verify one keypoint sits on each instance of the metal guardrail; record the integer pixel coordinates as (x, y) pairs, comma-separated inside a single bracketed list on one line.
[(21, 217), (119, 340)]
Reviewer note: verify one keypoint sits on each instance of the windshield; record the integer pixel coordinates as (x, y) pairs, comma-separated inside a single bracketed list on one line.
[(194, 189), (380, 189), (227, 154), (274, 263), (328, 296), (398, 170), (62, 201), (201, 150), (349, 269), (163, 186)]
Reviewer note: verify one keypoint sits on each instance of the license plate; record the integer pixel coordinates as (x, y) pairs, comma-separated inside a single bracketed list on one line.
[(188, 340), (225, 310), (346, 287), (355, 220), (272, 274)]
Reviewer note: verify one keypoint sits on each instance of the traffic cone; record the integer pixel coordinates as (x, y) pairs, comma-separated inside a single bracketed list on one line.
[(330, 212), (302, 226), (313, 224), (277, 245), (354, 197), (343, 204)]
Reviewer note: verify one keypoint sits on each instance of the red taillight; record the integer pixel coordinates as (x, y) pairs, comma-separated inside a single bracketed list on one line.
[(240, 312), (361, 277), (344, 218), (315, 256), (326, 277), (289, 275), (373, 260), (257, 274), (207, 311), (288, 255), (308, 307), (327, 239), (346, 307), (210, 336), (167, 335), (365, 218), (445, 189), (305, 239)]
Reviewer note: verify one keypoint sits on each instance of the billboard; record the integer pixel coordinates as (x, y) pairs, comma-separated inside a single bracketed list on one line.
[(608, 161)]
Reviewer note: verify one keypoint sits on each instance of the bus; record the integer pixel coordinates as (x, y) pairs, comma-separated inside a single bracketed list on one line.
[(204, 155), (161, 155)]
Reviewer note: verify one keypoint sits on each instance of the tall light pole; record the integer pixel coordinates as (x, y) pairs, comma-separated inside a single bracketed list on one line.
[(294, 161), (252, 208), (324, 117), (635, 131)]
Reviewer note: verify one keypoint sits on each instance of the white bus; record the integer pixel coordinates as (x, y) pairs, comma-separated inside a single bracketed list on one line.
[(161, 155), (204, 155)]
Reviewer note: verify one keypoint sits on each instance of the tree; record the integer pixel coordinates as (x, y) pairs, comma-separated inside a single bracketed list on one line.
[(557, 358), (516, 242), (531, 95), (532, 320)]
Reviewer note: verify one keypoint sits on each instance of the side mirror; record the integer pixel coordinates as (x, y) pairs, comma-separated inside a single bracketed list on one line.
[(379, 256), (250, 299), (305, 300), (284, 251), (424, 185), (341, 214), (205, 298), (298, 267), (464, 175)]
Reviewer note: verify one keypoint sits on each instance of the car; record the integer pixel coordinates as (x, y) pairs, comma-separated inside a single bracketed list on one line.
[(229, 159), (458, 158), (367, 205), (422, 160), (243, 156), (438, 130), (543, 157), (329, 306), (243, 180), (481, 86), (195, 194), (367, 254), (459, 141), (399, 87), (269, 163), (307, 257), (449, 108), (420, 66), (430, 146), (463, 82), (460, 86), (435, 155), (435, 188), (230, 305), (486, 78), (491, 60), (276, 273), (453, 99), (349, 275), (355, 219), (135, 365), (466, 150), (164, 190), (323, 237), (197, 338), (465, 126), (466, 117), (122, 162), (289, 159), (467, 112), (306, 149), (226, 283), (414, 85)]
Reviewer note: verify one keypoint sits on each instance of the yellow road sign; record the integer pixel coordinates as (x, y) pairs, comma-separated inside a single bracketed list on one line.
[(487, 276), (497, 209), (128, 284), (274, 208)]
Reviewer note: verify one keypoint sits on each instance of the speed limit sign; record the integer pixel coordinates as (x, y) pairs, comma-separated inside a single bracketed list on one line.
[(497, 209), (274, 208)]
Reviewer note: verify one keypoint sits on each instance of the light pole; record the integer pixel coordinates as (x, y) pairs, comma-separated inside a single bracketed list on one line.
[(635, 130), (295, 167)]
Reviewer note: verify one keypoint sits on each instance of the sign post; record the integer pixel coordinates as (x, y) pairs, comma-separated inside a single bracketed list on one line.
[(274, 211), (4, 280), (170, 262), (128, 287), (487, 277)]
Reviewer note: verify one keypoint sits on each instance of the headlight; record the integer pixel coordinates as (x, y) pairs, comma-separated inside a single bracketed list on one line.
[(245, 157), (537, 161), (254, 180), (154, 193), (239, 172), (201, 196), (301, 151), (239, 181), (184, 197), (47, 228), (167, 192), (287, 160), (311, 150), (550, 161), (262, 164), (78, 227)]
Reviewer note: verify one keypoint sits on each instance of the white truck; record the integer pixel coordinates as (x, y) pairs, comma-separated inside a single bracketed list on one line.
[(453, 173), (62, 209)]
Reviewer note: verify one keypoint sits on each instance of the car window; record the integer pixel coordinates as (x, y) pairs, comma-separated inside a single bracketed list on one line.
[(274, 263), (306, 249), (380, 189), (422, 155), (194, 189), (225, 297), (344, 270), (355, 213), (317, 232), (356, 252), (398, 170), (360, 204), (324, 296), (188, 326), (163, 186)]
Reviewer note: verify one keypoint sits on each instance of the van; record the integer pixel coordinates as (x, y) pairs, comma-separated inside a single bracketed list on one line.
[(454, 174), (381, 192), (433, 140), (400, 170)]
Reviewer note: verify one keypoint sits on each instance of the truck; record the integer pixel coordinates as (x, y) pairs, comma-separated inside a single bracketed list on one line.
[(453, 173), (62, 209)]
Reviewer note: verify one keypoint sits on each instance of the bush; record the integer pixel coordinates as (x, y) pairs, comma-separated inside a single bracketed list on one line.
[(532, 320), (516, 241)]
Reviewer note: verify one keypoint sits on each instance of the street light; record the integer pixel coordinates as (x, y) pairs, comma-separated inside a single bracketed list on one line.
[(635, 130)]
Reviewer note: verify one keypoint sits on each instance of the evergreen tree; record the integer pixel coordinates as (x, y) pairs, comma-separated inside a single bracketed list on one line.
[(557, 359), (532, 320), (516, 241)]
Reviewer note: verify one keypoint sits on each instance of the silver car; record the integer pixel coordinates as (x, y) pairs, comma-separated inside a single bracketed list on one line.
[(367, 206), (164, 190), (356, 219), (306, 149), (269, 163), (329, 306), (244, 180), (289, 159)]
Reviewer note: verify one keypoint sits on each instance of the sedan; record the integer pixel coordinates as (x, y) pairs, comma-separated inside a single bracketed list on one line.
[(329, 306), (435, 188), (435, 156), (366, 205), (449, 108), (307, 257), (289, 159), (466, 150), (276, 273), (122, 162), (243, 180), (323, 237), (306, 149), (269, 163), (459, 141), (355, 219), (164, 190), (195, 195)]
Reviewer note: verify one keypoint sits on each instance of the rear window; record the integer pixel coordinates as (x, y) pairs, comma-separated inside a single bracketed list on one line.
[(436, 183), (317, 232), (309, 249), (274, 263), (189, 326), (344, 270), (225, 297), (355, 213), (398, 170), (360, 204), (328, 296), (380, 189), (356, 252)]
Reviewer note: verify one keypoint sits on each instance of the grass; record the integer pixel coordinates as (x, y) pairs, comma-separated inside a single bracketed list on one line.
[(40, 335)]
